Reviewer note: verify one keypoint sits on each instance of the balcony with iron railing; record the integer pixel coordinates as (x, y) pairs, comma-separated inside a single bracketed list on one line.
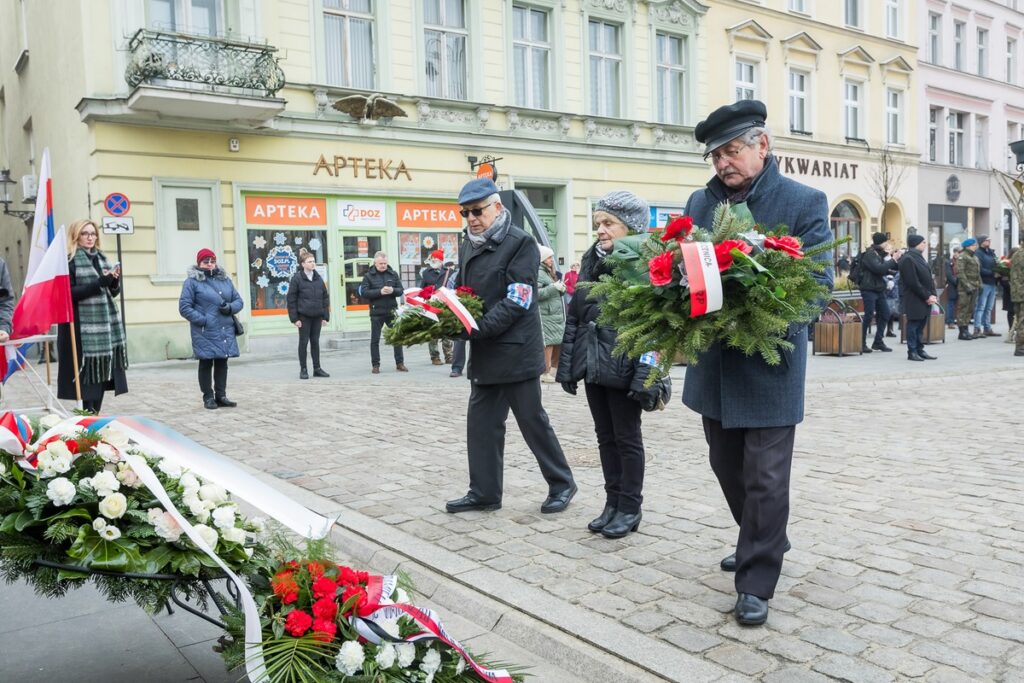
[(201, 77)]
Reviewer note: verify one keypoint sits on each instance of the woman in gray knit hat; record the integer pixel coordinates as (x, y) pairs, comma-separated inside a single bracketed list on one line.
[(613, 383)]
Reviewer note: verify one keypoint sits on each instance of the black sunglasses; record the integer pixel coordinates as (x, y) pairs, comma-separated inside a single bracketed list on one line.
[(476, 212)]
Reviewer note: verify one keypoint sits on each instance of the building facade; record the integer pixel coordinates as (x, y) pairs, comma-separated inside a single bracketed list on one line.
[(972, 89)]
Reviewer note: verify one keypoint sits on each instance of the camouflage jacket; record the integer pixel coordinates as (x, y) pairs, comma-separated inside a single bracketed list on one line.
[(968, 271), (1017, 277)]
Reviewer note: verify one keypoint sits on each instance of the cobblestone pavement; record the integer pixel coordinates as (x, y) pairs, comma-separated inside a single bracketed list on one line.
[(907, 516)]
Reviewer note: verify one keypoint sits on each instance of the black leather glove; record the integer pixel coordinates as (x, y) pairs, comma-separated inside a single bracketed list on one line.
[(648, 400), (224, 308), (570, 387)]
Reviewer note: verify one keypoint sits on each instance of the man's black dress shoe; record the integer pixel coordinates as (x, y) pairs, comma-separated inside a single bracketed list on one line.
[(914, 357), (468, 503), (728, 564), (318, 372), (751, 610), (926, 355), (602, 521), (556, 502), (226, 402), (210, 404), (622, 523)]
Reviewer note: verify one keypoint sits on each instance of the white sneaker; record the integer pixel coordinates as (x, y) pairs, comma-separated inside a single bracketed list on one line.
[(547, 378)]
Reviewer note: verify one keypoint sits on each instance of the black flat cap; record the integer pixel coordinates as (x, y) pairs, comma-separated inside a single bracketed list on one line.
[(729, 122)]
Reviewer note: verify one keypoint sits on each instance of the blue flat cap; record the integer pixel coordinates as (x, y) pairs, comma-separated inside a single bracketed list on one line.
[(729, 122), (477, 189), (969, 242)]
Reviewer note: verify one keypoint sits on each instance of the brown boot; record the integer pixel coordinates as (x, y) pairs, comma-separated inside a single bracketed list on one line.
[(991, 333), (977, 334), (435, 361), (400, 367)]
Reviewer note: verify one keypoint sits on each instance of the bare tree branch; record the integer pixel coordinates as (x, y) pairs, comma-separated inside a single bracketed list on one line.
[(885, 179), (1013, 192)]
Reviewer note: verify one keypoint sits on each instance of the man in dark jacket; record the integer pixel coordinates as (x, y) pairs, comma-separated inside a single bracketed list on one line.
[(917, 291), (987, 297), (436, 276), (875, 264), (750, 409), (500, 262), (382, 286), (951, 289)]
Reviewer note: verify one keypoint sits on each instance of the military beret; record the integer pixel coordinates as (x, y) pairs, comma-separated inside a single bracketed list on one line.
[(729, 122), (969, 242), (477, 189)]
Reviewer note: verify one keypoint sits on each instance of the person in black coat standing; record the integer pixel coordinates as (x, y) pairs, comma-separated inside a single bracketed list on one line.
[(309, 307), (917, 292), (876, 263), (614, 383), (951, 293), (382, 286), (499, 261)]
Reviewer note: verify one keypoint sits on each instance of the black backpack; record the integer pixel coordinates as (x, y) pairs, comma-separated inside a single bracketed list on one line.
[(855, 270)]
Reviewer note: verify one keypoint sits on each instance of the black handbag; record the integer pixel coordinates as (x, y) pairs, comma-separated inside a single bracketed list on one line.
[(239, 327)]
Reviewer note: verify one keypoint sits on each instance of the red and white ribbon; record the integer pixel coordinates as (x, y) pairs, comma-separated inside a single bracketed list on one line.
[(451, 299), (412, 298), (705, 279)]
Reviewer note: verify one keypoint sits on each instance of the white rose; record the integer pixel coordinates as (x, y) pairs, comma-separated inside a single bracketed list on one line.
[(153, 514), (50, 421), (208, 535), (386, 656), (72, 431), (171, 469), (110, 533), (126, 475), (115, 438), (224, 517), (233, 535), (350, 658), (460, 666), (258, 524), (406, 654), (107, 452), (189, 483), (213, 493), (431, 662), (98, 523), (61, 491), (105, 483), (113, 506)]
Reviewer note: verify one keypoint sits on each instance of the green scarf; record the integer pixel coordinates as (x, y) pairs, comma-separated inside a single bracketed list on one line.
[(102, 337)]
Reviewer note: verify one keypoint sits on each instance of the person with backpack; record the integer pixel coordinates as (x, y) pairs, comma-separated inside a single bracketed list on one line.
[(875, 264)]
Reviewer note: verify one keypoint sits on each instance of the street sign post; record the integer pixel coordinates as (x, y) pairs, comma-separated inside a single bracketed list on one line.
[(119, 223), (123, 225)]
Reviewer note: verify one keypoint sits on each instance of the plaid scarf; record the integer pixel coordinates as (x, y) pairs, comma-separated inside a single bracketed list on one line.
[(102, 342)]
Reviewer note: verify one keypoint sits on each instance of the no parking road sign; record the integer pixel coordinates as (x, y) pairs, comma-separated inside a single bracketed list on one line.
[(117, 204)]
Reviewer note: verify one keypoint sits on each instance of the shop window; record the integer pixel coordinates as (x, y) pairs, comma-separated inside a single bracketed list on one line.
[(187, 219), (274, 258), (846, 222), (415, 247)]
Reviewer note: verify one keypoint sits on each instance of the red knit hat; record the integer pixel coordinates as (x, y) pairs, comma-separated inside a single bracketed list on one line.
[(437, 254), (204, 253)]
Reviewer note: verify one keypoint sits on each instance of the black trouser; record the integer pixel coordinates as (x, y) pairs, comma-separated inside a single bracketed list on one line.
[(459, 355), (485, 437), (621, 445), (915, 335), (377, 323), (213, 377), (753, 467), (310, 333), (874, 302)]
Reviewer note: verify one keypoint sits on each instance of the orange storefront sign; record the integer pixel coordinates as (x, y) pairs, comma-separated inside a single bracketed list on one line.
[(414, 215), (285, 211)]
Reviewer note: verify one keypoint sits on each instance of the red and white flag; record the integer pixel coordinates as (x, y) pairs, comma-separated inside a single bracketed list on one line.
[(705, 279), (47, 296)]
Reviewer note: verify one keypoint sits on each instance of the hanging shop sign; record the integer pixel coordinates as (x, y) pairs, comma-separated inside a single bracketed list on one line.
[(285, 211), (373, 168), (361, 214), (417, 215)]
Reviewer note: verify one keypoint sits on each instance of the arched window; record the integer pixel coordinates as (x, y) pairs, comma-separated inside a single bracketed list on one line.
[(846, 220)]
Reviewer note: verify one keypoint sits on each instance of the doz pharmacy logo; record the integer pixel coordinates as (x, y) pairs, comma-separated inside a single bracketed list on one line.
[(361, 214)]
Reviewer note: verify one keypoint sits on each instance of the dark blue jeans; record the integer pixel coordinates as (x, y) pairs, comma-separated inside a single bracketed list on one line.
[(951, 310), (915, 335), (875, 308)]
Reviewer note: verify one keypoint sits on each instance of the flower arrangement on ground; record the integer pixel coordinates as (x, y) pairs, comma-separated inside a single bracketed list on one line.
[(73, 498), (328, 622), (430, 314), (689, 287)]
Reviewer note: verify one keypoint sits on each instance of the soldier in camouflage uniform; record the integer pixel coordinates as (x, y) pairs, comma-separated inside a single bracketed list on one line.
[(1017, 297), (968, 272)]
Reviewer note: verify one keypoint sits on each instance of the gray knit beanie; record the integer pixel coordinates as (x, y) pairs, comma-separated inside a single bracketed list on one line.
[(628, 208)]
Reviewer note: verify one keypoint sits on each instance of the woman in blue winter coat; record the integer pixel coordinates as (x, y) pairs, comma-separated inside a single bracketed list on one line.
[(208, 300)]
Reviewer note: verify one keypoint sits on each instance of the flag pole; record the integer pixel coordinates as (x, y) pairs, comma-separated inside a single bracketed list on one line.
[(74, 359)]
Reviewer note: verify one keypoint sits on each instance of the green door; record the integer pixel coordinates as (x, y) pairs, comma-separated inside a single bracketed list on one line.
[(357, 250)]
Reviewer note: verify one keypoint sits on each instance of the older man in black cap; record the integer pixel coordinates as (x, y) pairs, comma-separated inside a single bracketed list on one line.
[(917, 292), (500, 262), (750, 409)]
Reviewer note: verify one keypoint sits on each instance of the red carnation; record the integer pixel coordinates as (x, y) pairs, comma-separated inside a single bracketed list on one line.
[(363, 577), (678, 228), (356, 592), (324, 630), (347, 576), (426, 292), (464, 291), (660, 269), (297, 623), (723, 252), (790, 245), (325, 608), (72, 445), (324, 587), (285, 587)]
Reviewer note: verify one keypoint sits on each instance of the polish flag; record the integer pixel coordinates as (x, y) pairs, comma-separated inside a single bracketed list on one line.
[(47, 296)]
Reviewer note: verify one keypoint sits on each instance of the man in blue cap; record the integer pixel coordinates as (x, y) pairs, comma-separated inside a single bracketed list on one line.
[(750, 409), (500, 262)]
